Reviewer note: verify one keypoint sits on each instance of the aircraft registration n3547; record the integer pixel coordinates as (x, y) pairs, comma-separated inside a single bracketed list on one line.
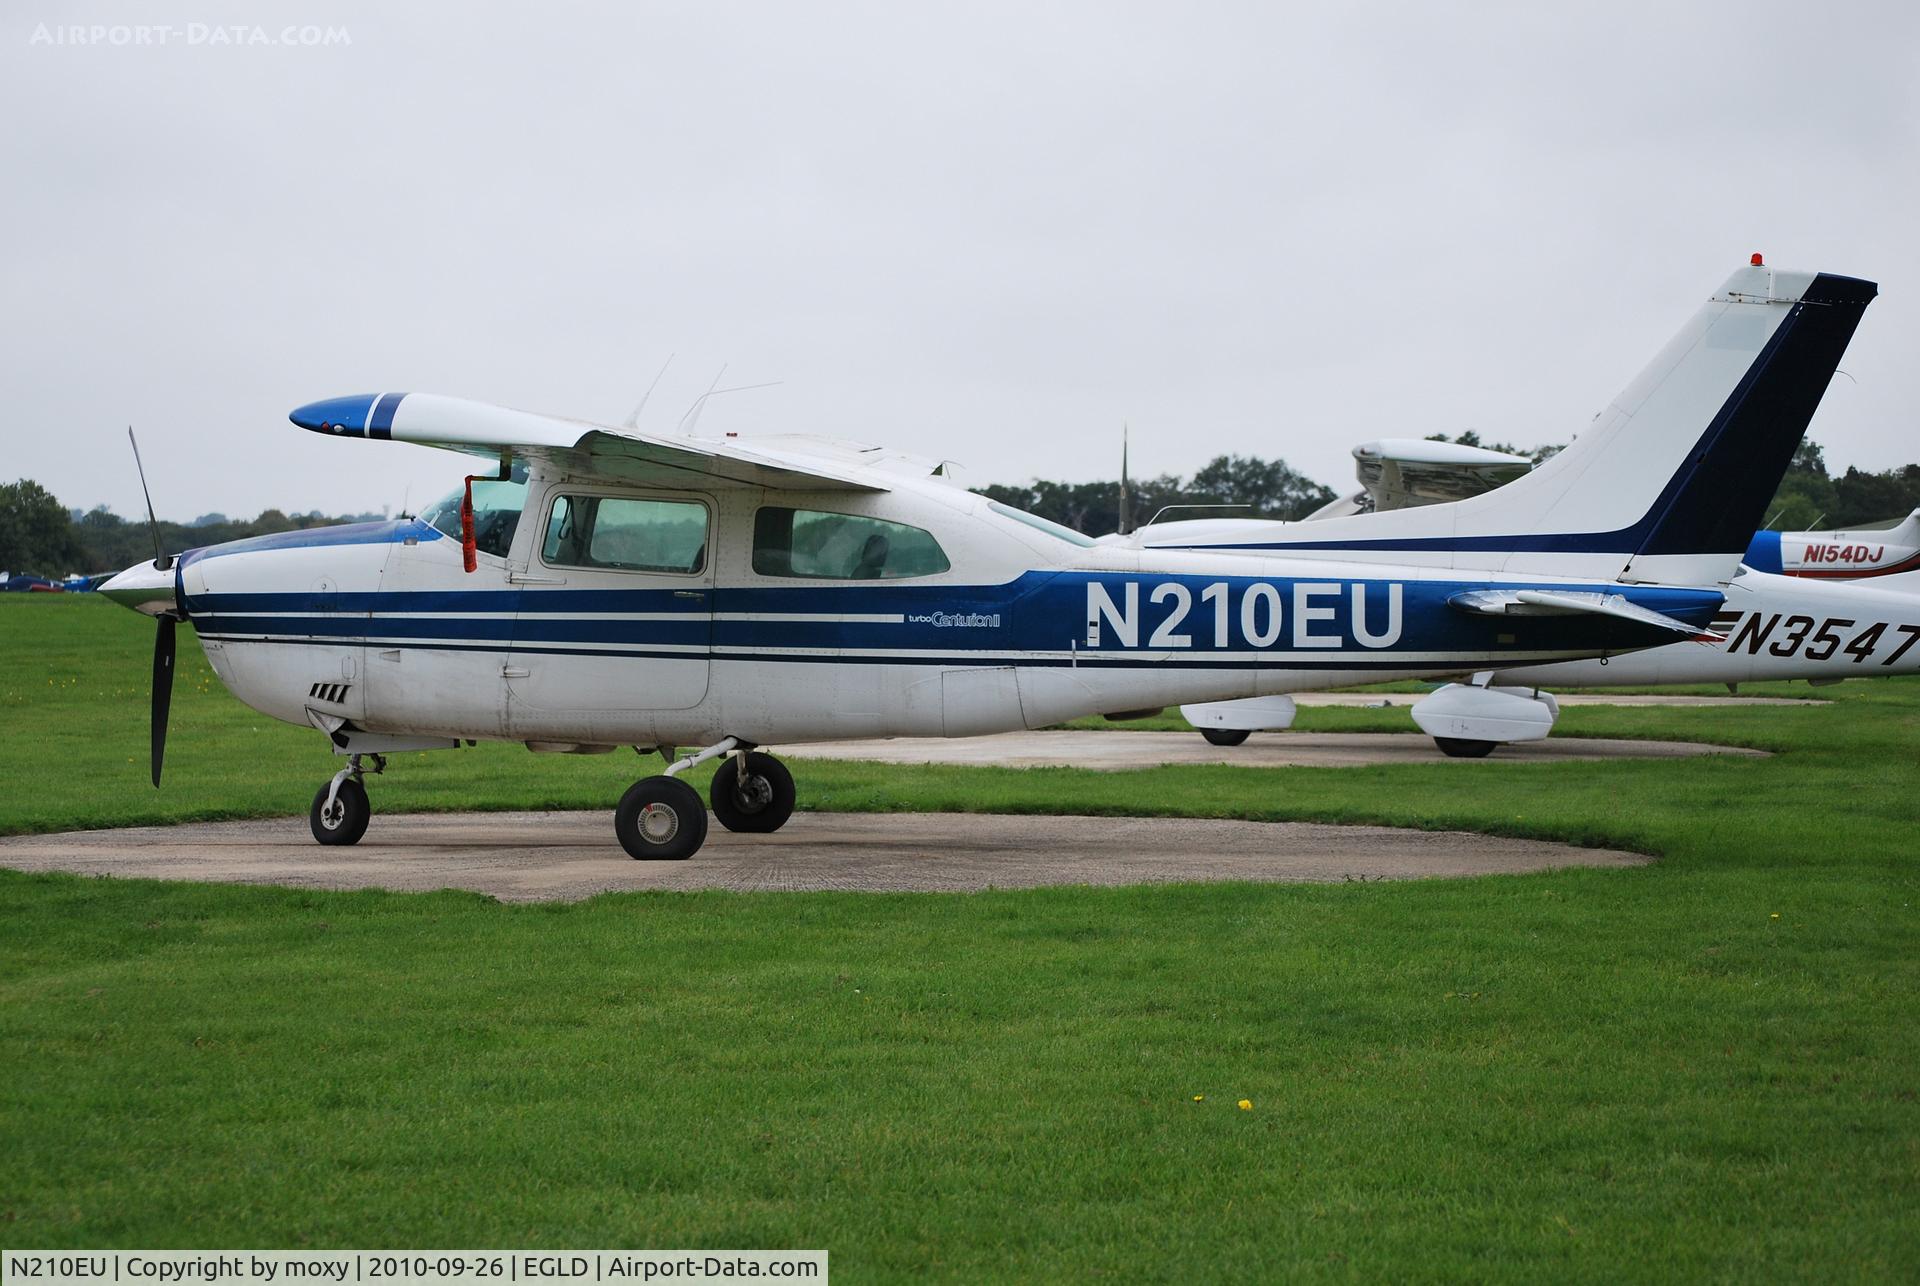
[(605, 587)]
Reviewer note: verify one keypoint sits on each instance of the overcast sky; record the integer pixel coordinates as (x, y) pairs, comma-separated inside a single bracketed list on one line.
[(986, 232)]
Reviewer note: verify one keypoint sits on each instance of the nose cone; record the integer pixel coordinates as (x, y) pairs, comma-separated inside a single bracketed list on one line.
[(144, 588), (358, 415)]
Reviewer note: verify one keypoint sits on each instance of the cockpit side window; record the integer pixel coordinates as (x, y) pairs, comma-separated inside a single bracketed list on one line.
[(829, 546), (496, 513), (622, 534)]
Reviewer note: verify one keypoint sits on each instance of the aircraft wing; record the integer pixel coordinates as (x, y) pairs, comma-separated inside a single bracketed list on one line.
[(1561, 602), (650, 459)]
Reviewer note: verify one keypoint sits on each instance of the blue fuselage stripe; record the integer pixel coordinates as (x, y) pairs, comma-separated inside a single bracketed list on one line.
[(1041, 613), (1340, 661)]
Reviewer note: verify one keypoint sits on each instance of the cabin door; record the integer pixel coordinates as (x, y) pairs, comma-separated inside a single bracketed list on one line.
[(615, 617)]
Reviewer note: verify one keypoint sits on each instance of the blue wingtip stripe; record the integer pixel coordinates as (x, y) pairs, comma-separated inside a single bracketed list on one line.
[(380, 422)]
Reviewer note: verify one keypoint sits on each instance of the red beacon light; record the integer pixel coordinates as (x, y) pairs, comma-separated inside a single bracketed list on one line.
[(1757, 261)]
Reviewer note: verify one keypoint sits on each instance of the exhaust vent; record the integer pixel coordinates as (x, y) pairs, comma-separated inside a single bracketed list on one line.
[(334, 693)]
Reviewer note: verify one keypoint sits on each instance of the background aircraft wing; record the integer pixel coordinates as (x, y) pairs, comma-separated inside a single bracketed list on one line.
[(1400, 473), (630, 455)]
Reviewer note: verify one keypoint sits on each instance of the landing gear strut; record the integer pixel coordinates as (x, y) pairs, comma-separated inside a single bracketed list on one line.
[(662, 819), (341, 810)]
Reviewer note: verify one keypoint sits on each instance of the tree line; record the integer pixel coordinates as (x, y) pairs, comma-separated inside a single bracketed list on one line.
[(41, 536), (1263, 489), (1809, 498)]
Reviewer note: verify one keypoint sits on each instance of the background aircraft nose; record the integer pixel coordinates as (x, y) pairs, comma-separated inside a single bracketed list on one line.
[(144, 588)]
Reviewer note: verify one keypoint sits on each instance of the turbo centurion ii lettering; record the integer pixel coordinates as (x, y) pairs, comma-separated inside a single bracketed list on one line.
[(958, 620)]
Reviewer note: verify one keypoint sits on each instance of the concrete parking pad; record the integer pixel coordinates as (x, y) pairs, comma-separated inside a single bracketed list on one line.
[(525, 857)]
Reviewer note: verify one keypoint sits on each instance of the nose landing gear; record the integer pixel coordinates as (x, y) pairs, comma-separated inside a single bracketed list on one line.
[(341, 810)]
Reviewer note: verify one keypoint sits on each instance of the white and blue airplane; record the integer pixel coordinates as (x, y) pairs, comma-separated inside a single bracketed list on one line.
[(604, 587)]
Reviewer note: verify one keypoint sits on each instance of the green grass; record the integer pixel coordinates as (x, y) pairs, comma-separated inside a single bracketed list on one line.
[(1591, 1074)]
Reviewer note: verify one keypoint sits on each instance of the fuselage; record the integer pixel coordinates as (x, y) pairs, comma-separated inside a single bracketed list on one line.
[(788, 616)]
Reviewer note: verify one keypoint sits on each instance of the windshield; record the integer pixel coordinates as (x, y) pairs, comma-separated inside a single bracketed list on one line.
[(496, 512)]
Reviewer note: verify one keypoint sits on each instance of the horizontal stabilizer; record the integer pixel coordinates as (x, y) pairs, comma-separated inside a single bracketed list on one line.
[(1558, 602)]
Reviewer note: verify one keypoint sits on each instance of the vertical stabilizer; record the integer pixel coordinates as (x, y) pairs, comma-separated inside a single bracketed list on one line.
[(1671, 479)]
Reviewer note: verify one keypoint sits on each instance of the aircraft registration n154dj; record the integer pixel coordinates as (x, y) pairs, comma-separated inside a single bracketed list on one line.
[(604, 587)]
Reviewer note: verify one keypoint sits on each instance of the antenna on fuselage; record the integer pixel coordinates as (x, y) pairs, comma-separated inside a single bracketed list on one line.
[(633, 421), (1125, 526), (692, 417)]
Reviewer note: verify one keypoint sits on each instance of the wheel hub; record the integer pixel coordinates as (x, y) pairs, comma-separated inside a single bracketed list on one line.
[(658, 823), (752, 793)]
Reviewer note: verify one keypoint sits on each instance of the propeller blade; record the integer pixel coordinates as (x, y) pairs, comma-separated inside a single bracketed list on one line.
[(162, 690), (160, 559)]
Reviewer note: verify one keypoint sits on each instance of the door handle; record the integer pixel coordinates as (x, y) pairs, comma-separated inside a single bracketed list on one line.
[(515, 672), (689, 593)]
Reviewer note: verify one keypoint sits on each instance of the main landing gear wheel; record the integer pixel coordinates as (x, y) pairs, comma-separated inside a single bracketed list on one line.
[(1225, 736), (660, 819), (345, 820), (1464, 748), (756, 801)]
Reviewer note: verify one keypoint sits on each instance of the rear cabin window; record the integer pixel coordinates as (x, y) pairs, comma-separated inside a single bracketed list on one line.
[(826, 546), (626, 535)]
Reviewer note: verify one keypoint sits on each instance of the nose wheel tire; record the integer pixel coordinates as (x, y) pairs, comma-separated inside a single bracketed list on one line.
[(1224, 736), (660, 819), (346, 821), (756, 801), (1464, 748)]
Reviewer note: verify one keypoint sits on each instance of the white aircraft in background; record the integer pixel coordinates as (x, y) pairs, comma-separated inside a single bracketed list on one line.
[(611, 587), (1892, 553)]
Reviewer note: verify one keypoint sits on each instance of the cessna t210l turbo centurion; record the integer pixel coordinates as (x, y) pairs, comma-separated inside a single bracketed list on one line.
[(609, 587)]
